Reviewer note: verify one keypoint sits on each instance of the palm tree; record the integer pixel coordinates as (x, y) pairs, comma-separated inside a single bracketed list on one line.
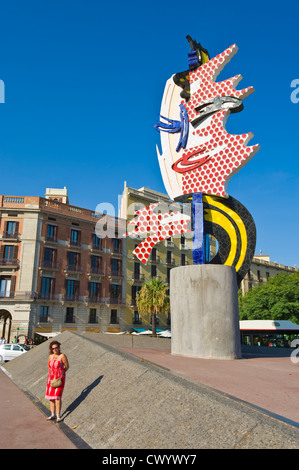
[(152, 299)]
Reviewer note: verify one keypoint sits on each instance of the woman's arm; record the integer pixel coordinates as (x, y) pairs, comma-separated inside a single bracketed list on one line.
[(65, 362)]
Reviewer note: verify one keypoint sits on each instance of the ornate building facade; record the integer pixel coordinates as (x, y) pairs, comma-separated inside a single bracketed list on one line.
[(55, 272)]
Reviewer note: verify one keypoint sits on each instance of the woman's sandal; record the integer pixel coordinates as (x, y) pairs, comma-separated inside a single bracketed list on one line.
[(58, 420), (51, 417)]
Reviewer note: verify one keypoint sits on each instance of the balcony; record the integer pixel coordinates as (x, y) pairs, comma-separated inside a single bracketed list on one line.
[(116, 250), (155, 259), (117, 273), (115, 301), (75, 268), (76, 243), (46, 296), (19, 295), (96, 270), (11, 263), (138, 277), (71, 297), (92, 299), (170, 260), (183, 246), (51, 238), (49, 265), (97, 247)]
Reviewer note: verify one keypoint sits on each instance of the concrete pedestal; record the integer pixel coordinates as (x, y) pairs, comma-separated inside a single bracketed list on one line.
[(204, 312)]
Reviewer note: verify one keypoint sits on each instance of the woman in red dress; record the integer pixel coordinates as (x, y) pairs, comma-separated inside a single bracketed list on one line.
[(58, 365)]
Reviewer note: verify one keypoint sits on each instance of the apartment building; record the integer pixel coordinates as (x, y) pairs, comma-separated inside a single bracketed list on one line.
[(261, 269), (56, 273)]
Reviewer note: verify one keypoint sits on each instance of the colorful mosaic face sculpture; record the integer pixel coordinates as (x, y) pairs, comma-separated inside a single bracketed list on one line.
[(198, 158), (204, 157)]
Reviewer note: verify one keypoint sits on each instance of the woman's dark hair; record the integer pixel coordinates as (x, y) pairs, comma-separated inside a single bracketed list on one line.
[(51, 346)]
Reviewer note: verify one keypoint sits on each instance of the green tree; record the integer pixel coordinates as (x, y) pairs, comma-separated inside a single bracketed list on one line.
[(278, 299), (152, 299)]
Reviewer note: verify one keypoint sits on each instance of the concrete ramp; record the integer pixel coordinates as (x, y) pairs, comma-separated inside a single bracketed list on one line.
[(113, 400)]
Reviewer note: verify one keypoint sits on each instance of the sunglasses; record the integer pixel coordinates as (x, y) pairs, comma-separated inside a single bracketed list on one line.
[(55, 347)]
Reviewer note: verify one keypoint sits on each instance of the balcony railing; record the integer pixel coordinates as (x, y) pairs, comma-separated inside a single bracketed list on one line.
[(97, 246), (73, 267), (51, 238), (93, 299), (49, 264), (116, 273), (115, 300), (116, 250), (10, 236), (75, 243), (96, 270), (138, 277), (71, 297)]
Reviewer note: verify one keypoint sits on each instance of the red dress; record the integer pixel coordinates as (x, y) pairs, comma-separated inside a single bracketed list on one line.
[(56, 371)]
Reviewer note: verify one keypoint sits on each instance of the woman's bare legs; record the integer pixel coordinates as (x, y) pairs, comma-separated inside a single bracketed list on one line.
[(52, 409), (58, 407)]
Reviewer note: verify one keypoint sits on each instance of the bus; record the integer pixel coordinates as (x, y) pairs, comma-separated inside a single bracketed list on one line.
[(272, 333)]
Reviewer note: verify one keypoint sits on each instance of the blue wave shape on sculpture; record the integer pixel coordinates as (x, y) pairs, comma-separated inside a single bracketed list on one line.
[(171, 126)]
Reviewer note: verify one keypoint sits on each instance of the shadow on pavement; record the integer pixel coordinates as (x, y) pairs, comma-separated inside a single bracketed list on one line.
[(81, 397)]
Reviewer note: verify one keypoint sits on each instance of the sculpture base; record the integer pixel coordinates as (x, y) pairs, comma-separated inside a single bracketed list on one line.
[(205, 312)]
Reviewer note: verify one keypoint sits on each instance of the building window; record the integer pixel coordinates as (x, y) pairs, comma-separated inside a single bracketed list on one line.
[(115, 290), (93, 316), (12, 228), (116, 245), (96, 242), (43, 314), (75, 237), (169, 257), (183, 259), (135, 290), (154, 254), (72, 289), (5, 285), (116, 267), (73, 259), (8, 253), (136, 318), (259, 275), (267, 275), (96, 264), (47, 287), (49, 258), (51, 233), (168, 275), (153, 270), (113, 317), (94, 291), (69, 317)]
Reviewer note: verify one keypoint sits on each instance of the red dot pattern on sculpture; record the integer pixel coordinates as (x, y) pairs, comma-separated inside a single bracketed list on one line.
[(223, 153), (227, 152)]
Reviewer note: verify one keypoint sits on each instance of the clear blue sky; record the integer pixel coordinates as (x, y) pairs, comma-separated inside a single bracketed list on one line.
[(83, 88)]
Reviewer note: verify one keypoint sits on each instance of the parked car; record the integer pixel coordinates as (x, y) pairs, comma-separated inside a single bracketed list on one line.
[(10, 351)]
